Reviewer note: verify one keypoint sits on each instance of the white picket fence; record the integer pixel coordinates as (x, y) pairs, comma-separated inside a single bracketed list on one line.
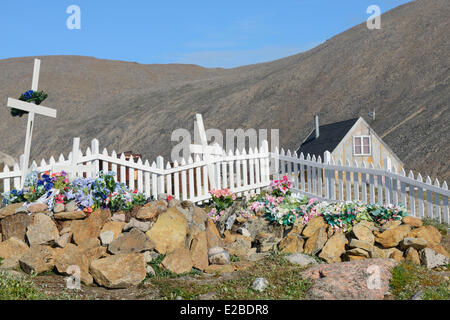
[(248, 172), (241, 172), (331, 181)]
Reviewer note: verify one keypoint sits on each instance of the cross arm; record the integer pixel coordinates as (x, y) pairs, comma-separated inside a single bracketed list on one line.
[(30, 107)]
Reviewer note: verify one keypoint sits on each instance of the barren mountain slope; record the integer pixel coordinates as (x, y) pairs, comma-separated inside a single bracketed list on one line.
[(402, 71)]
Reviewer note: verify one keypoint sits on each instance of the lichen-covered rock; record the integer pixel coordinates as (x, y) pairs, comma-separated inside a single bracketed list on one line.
[(293, 243), (12, 247), (416, 243), (38, 259), (42, 230), (89, 227), (212, 235), (316, 242), (353, 280), (218, 255), (115, 226), (240, 247), (119, 271), (300, 259), (412, 221), (134, 241), (199, 251), (355, 243), (15, 225), (151, 210), (313, 225), (432, 259), (392, 236), (429, 233), (73, 215), (334, 248), (169, 232), (363, 232), (411, 255), (72, 256), (143, 226), (10, 210), (178, 261)]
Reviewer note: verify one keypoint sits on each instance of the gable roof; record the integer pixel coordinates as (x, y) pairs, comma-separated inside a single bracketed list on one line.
[(330, 135)]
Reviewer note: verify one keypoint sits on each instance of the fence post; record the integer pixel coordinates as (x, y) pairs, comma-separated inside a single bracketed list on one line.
[(95, 152), (387, 180), (75, 156), (265, 168), (160, 165), (327, 161)]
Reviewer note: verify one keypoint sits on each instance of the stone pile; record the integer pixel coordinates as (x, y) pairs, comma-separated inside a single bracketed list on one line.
[(114, 250), (406, 240)]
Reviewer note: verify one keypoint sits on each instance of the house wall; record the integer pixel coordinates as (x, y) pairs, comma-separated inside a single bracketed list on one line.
[(344, 151)]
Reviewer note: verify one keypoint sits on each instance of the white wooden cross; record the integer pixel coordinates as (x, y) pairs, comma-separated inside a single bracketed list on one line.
[(208, 151), (32, 109)]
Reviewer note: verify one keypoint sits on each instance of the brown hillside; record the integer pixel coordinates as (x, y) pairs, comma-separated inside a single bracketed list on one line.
[(402, 71)]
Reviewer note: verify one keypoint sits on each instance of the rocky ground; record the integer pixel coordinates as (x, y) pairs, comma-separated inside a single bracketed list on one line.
[(171, 250)]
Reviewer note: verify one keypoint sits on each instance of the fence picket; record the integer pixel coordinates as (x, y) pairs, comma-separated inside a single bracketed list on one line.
[(176, 181), (445, 204), (412, 202), (420, 195), (319, 178), (356, 183), (169, 180), (191, 179), (140, 180), (251, 169), (364, 183), (429, 199), (147, 182), (437, 202)]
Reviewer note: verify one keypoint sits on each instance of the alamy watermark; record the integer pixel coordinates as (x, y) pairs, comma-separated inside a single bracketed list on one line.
[(374, 280), (73, 282), (73, 22), (374, 21)]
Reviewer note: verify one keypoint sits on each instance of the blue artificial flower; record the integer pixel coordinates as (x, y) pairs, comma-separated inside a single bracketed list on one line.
[(48, 186), (40, 183)]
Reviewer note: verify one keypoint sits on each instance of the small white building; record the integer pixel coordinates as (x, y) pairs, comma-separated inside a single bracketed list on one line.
[(351, 140)]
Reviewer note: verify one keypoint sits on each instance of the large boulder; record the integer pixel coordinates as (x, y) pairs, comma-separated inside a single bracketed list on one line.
[(119, 271), (212, 235), (89, 227), (313, 225), (115, 226), (316, 241), (15, 225), (334, 248), (199, 251), (134, 241), (293, 243), (10, 210), (432, 259), (169, 232), (42, 230), (178, 261), (392, 236), (12, 247), (151, 210), (412, 221), (428, 233), (353, 280), (363, 232), (38, 259), (240, 247), (73, 256)]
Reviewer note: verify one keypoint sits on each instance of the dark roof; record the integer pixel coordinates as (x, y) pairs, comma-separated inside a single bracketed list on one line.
[(330, 135)]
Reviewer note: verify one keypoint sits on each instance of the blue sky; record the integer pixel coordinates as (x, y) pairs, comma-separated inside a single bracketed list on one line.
[(208, 33)]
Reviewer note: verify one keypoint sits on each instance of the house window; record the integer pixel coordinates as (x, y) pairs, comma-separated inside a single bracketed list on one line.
[(362, 146)]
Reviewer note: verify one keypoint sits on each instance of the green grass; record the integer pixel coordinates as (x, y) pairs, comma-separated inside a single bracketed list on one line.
[(161, 272), (285, 283), (408, 279), (23, 288), (442, 227)]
